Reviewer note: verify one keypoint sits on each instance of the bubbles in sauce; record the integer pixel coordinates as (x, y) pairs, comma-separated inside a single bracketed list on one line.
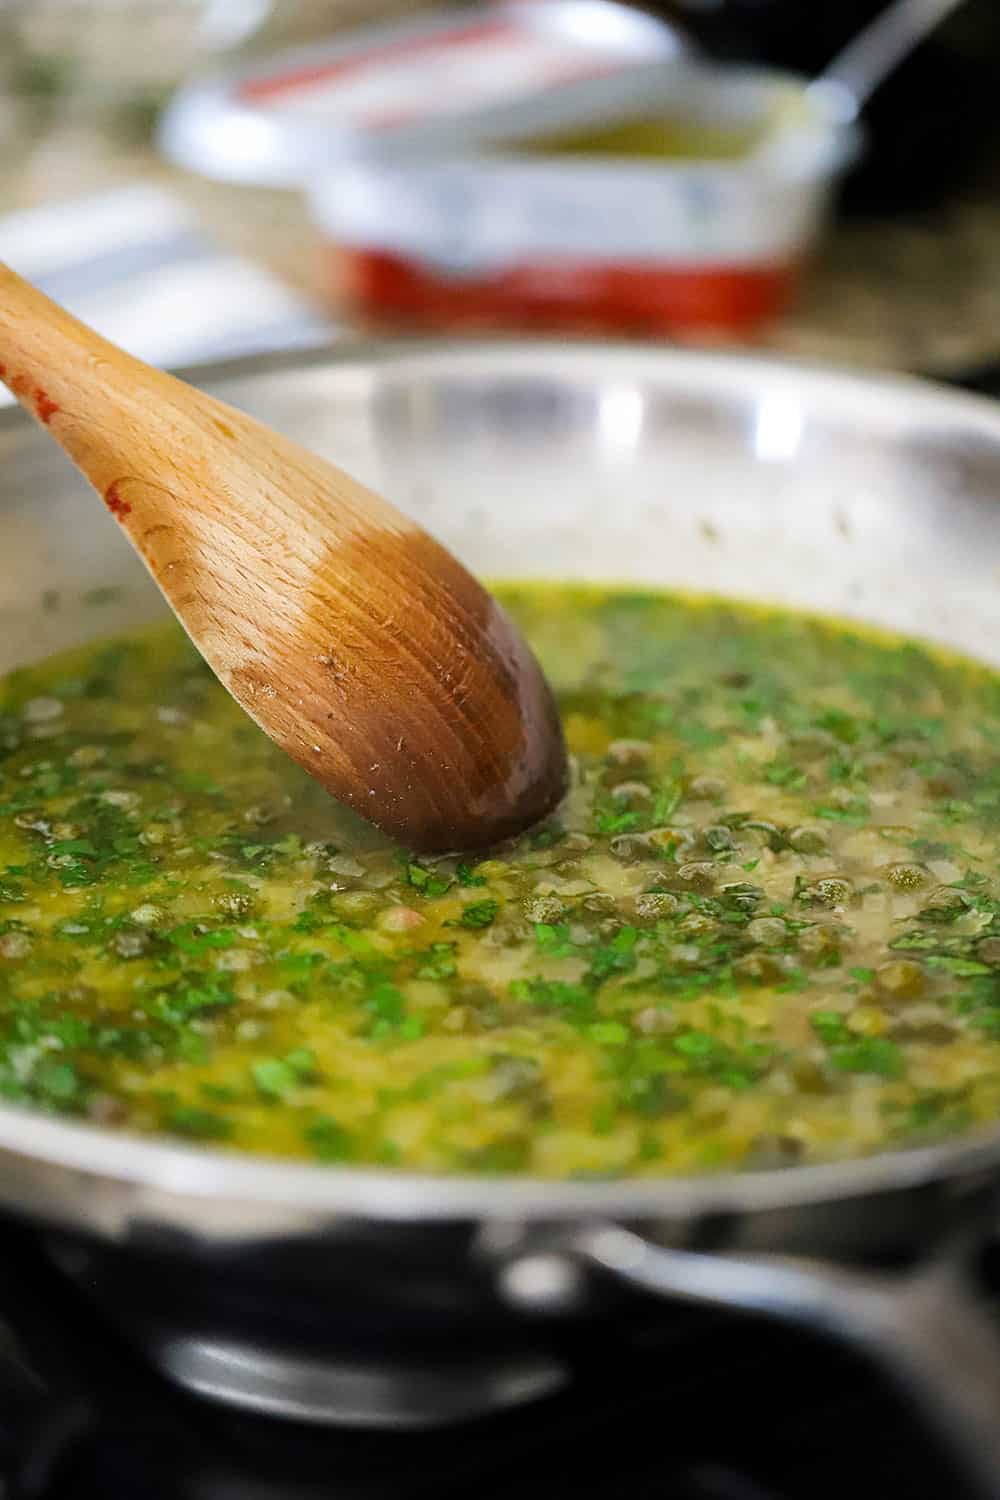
[(763, 929)]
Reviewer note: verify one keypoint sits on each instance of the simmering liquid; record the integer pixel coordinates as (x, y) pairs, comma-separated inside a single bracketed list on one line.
[(763, 929)]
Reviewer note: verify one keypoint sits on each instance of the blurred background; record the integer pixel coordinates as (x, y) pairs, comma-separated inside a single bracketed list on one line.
[(204, 177)]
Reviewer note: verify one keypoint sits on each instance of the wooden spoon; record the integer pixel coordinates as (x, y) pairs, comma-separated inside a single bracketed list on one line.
[(355, 641)]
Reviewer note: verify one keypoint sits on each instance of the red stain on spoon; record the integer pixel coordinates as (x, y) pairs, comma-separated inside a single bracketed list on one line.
[(45, 406), (116, 505), (20, 385)]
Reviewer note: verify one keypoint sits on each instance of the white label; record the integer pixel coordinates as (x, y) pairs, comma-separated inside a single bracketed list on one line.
[(469, 219)]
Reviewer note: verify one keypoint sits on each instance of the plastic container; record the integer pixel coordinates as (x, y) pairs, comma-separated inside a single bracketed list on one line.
[(540, 224), (538, 164)]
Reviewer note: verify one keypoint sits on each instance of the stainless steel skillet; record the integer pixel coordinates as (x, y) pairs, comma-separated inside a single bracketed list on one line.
[(878, 498)]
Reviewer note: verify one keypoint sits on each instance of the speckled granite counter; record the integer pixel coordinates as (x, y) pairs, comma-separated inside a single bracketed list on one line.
[(918, 295), (905, 295)]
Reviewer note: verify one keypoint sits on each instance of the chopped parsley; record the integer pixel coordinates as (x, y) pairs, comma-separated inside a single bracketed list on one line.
[(774, 887)]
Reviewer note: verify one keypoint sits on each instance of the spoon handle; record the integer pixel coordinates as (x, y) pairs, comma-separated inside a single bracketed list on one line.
[(141, 435), (361, 646), (54, 364)]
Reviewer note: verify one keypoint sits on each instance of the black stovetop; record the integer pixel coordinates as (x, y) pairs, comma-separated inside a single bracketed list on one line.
[(710, 1410)]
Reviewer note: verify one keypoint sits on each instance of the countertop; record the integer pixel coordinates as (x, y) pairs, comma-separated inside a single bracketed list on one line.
[(921, 293)]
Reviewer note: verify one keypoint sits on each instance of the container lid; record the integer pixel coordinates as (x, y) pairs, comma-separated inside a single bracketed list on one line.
[(281, 121), (467, 212)]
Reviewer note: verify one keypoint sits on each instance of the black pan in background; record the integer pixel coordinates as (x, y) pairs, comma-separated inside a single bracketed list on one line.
[(932, 127)]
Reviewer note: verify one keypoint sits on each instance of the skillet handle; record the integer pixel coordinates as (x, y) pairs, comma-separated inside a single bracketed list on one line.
[(925, 1328)]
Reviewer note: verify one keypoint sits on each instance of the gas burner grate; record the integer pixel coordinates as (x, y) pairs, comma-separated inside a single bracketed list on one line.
[(719, 1410)]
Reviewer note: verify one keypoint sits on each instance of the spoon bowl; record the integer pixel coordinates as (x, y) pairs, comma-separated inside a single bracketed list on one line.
[(355, 640)]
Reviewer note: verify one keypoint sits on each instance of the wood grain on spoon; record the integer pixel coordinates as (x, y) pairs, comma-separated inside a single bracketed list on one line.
[(356, 641)]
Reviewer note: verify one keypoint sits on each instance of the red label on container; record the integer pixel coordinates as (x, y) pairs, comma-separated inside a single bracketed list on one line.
[(565, 295)]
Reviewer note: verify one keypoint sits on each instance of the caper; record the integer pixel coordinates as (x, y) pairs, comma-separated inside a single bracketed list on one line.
[(867, 1020), (514, 1077), (741, 895), (234, 903), (769, 834), (669, 841), (770, 932), (820, 945), (33, 823), (832, 890), (259, 814), (707, 788), (810, 1076), (656, 1020), (88, 755), (544, 909), (685, 955), (472, 995), (901, 979), (629, 752), (631, 793), (148, 914), (506, 932), (653, 905), (906, 877), (843, 796), (807, 840), (599, 901), (697, 925), (763, 968), (629, 847), (128, 944), (360, 904), (944, 904)]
